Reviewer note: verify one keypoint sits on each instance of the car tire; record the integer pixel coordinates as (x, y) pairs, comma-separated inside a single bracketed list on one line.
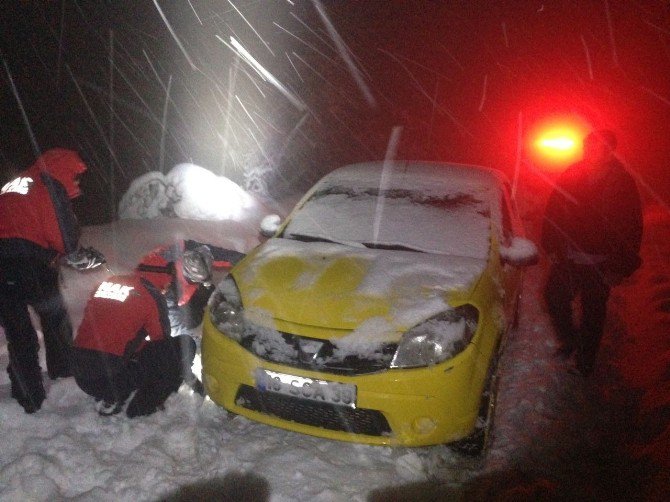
[(477, 443)]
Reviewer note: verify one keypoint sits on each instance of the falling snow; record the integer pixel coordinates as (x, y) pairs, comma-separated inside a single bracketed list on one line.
[(269, 96)]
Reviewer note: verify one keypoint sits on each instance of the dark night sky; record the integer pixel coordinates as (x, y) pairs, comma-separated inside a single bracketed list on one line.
[(456, 76)]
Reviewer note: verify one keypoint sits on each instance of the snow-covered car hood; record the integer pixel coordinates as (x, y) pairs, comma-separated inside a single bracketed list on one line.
[(342, 287)]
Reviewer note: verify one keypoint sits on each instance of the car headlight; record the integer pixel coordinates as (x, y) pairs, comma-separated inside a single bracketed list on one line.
[(226, 310), (437, 339)]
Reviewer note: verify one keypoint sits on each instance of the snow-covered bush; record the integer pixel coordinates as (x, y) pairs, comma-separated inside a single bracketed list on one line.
[(188, 191), (149, 196)]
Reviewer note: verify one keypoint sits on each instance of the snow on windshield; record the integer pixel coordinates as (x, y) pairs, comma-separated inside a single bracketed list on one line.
[(408, 210)]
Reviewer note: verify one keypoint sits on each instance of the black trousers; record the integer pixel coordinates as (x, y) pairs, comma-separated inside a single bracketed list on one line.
[(567, 282), (155, 372), (25, 282)]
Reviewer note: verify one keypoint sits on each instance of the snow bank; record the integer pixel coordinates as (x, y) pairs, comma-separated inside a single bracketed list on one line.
[(68, 451), (190, 192)]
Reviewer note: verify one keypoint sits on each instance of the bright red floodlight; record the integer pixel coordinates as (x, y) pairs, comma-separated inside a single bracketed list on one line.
[(557, 143)]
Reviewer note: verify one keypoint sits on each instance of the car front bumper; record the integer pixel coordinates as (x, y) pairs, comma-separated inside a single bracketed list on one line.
[(405, 407)]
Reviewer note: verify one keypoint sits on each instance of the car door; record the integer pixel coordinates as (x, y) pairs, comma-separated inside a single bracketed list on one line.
[(511, 275)]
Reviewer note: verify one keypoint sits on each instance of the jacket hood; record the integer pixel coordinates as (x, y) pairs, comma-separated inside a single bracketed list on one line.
[(65, 166)]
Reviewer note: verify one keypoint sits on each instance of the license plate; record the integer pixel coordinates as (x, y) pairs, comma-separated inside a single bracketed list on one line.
[(323, 391)]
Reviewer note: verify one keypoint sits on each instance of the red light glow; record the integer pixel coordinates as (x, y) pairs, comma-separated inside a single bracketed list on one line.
[(562, 144), (556, 144)]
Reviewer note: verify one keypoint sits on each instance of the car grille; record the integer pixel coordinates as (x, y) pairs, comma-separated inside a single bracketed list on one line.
[(324, 359), (326, 416)]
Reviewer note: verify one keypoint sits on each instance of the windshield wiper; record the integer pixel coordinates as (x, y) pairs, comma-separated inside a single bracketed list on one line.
[(391, 247), (313, 238)]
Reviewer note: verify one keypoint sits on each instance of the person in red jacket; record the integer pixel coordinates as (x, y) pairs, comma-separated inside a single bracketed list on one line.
[(123, 353), (37, 226)]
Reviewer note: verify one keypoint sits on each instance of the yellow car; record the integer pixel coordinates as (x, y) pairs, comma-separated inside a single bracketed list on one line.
[(375, 312)]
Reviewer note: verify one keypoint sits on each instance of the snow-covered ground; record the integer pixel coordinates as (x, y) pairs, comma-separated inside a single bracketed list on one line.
[(555, 433)]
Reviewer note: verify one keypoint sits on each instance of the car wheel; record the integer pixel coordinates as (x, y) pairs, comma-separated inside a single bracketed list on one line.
[(477, 442)]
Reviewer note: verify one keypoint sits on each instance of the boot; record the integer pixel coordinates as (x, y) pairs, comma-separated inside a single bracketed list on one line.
[(28, 392), (144, 403)]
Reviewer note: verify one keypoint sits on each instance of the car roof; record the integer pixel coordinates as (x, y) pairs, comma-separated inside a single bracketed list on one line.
[(420, 175)]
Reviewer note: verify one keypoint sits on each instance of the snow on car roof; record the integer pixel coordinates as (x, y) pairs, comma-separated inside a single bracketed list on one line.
[(430, 207), (433, 177)]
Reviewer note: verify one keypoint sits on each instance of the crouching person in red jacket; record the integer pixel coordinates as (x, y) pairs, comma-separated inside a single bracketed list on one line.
[(123, 352)]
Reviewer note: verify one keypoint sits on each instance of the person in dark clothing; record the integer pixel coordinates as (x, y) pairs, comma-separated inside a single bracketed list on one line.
[(123, 354), (592, 232), (37, 227)]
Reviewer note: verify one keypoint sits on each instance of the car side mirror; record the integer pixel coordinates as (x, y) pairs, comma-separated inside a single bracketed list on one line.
[(521, 252), (270, 224)]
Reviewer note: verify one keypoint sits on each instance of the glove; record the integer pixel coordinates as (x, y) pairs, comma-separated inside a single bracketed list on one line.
[(85, 258)]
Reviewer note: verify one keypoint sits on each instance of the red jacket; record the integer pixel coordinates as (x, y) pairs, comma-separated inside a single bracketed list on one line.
[(123, 314), (36, 205), (170, 257)]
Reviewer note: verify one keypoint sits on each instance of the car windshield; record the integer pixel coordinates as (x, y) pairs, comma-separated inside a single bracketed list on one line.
[(398, 219)]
